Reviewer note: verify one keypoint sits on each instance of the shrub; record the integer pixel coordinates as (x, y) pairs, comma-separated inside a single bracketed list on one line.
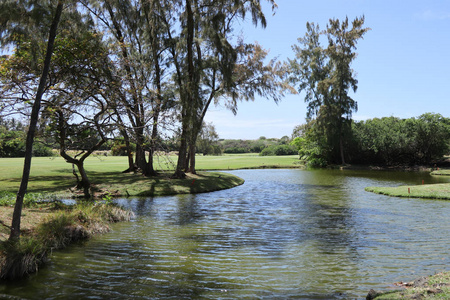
[(278, 150), (42, 150), (235, 150), (24, 256), (21, 257)]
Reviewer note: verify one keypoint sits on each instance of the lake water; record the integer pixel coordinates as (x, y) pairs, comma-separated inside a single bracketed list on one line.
[(284, 234)]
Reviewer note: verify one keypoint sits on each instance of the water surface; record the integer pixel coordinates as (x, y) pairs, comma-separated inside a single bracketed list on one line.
[(284, 234)]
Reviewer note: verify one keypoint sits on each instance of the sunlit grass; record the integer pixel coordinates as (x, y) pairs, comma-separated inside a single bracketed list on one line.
[(441, 172), (437, 287), (54, 175), (430, 191)]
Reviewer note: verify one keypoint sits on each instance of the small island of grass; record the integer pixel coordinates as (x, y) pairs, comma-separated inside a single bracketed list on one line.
[(428, 191)]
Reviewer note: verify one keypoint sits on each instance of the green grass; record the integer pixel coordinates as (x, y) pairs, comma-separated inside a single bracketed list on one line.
[(436, 287), (246, 161), (429, 191), (58, 229), (441, 172), (52, 175)]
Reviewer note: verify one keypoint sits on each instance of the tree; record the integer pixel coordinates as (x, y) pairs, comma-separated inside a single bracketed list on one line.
[(208, 141), (392, 140), (75, 106), (209, 68), (15, 20), (137, 44), (326, 76)]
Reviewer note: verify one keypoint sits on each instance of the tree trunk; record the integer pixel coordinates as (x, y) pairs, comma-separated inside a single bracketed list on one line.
[(15, 226), (85, 184), (192, 159), (150, 168), (179, 173), (131, 167), (341, 147)]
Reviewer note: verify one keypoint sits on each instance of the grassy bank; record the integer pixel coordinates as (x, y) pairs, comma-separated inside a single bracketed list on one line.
[(54, 176), (432, 287), (429, 191), (51, 226), (441, 172), (48, 226)]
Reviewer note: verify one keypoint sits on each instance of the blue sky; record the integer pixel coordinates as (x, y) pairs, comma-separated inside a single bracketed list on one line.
[(403, 63)]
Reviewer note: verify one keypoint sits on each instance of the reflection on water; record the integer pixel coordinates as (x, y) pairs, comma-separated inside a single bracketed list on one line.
[(283, 234)]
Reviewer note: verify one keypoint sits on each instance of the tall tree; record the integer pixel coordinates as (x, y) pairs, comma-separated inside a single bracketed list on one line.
[(24, 11), (326, 76), (75, 106), (210, 68), (136, 44)]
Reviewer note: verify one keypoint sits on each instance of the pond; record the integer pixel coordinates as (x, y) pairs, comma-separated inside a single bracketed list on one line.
[(284, 234)]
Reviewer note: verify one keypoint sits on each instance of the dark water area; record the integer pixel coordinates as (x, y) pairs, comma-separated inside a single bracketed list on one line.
[(284, 234)]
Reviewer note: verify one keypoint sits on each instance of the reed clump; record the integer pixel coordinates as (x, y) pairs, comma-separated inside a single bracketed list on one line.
[(24, 256)]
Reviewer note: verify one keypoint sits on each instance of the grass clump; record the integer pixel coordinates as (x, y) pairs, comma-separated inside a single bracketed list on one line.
[(432, 287), (21, 257), (429, 191), (441, 172), (24, 256)]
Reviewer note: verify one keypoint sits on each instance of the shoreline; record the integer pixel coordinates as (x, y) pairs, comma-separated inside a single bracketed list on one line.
[(435, 286), (52, 225), (202, 182)]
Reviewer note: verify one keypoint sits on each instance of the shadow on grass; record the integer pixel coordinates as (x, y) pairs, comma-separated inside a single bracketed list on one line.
[(129, 184), (40, 184)]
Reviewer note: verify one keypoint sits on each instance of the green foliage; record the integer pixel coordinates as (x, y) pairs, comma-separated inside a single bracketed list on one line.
[(236, 150), (40, 150), (392, 140), (12, 140), (119, 148), (29, 200), (326, 78), (23, 256), (278, 150), (312, 145), (208, 140), (251, 146), (12, 144), (313, 155)]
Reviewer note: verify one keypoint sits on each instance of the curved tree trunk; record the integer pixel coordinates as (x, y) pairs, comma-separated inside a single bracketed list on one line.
[(85, 183), (15, 226)]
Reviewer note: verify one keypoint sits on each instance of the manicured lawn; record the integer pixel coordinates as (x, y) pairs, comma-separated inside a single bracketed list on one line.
[(430, 191), (441, 172), (54, 175), (246, 161)]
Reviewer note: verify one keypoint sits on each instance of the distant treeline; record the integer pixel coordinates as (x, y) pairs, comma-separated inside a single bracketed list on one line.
[(386, 141), (263, 146), (12, 140), (393, 140)]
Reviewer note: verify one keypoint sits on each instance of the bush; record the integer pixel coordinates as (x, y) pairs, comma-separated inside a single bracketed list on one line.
[(21, 257), (401, 141), (235, 150), (278, 150), (12, 144), (40, 150), (119, 148)]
